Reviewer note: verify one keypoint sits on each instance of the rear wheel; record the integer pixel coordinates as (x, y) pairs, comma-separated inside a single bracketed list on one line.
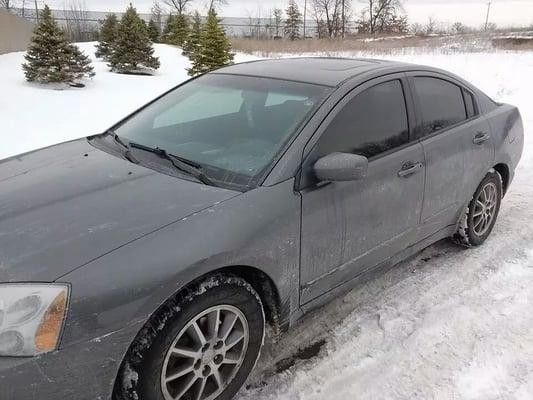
[(203, 346), (481, 214)]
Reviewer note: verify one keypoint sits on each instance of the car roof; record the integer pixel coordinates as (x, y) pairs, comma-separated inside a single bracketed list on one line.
[(315, 70)]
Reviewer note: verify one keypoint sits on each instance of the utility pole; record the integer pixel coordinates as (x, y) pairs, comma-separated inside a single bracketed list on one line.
[(36, 11), (343, 19), (488, 14), (305, 15)]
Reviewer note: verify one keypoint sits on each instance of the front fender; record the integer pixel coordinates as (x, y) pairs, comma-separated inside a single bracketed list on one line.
[(260, 228)]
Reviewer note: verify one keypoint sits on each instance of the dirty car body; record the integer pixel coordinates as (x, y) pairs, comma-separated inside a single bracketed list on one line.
[(124, 230)]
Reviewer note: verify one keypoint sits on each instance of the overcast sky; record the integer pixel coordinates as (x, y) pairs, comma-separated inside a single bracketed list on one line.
[(471, 12)]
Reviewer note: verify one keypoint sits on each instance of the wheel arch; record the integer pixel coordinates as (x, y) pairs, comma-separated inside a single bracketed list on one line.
[(260, 281), (504, 171)]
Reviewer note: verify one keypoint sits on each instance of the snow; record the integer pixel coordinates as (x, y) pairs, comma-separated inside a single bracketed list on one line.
[(449, 324)]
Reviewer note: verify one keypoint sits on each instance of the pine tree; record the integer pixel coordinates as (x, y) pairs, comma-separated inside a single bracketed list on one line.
[(192, 43), (178, 30), (153, 31), (132, 51), (79, 66), (214, 50), (293, 21), (51, 58), (168, 26), (107, 36)]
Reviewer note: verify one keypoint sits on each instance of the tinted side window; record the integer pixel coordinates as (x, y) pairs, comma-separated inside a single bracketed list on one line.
[(470, 105), (373, 122), (441, 104)]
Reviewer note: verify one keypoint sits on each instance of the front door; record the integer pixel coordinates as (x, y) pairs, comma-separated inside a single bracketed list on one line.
[(349, 227)]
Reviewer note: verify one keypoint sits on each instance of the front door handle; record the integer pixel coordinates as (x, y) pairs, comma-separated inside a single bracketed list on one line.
[(481, 138), (410, 169)]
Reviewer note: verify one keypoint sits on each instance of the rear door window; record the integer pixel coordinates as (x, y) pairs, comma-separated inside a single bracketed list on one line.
[(440, 103)]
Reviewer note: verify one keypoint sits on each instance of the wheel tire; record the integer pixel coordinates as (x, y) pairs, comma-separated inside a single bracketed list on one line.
[(469, 233), (140, 376)]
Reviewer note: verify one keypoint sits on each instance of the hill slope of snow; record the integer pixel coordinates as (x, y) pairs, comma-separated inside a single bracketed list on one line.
[(449, 324)]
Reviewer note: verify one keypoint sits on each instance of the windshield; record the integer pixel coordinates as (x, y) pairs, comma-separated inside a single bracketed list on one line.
[(232, 126)]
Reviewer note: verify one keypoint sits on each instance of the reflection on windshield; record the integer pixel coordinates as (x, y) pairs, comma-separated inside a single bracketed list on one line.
[(233, 126)]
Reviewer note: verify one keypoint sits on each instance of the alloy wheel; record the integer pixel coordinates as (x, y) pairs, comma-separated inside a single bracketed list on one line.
[(206, 355), (485, 209)]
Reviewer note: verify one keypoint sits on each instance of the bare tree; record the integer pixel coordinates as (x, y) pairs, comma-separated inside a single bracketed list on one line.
[(380, 11), (431, 26), (331, 16), (7, 4), (213, 4), (179, 5), (254, 24), (77, 16), (157, 14), (277, 21)]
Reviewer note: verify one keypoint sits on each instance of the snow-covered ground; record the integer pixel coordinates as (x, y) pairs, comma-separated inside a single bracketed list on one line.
[(449, 324)]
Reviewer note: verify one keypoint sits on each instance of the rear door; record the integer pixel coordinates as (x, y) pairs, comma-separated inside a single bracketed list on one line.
[(447, 131), (349, 227), (481, 142)]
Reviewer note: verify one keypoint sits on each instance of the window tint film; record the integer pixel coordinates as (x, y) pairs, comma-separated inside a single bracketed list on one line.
[(373, 122), (441, 104)]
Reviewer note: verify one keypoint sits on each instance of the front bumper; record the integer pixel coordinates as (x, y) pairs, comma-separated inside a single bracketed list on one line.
[(83, 371)]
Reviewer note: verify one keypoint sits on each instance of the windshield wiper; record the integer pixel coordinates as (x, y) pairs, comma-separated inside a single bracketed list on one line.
[(181, 164), (127, 153)]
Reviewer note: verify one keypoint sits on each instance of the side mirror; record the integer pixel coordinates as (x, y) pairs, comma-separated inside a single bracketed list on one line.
[(341, 167)]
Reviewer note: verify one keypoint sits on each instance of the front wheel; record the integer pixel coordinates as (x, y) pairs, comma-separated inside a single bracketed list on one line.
[(481, 214), (203, 347)]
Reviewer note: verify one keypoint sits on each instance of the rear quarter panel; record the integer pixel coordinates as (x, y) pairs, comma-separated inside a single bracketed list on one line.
[(508, 136)]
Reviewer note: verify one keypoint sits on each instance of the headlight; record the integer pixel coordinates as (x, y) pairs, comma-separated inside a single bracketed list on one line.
[(31, 318)]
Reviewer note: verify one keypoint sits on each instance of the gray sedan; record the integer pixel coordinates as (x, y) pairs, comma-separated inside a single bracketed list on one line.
[(146, 261)]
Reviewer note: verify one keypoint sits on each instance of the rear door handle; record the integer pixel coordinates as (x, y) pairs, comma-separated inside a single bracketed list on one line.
[(410, 169), (481, 138)]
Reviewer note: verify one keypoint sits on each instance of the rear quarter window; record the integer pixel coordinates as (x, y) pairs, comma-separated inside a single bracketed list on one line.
[(470, 104)]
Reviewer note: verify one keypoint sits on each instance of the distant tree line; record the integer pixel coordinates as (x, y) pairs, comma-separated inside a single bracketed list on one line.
[(337, 19)]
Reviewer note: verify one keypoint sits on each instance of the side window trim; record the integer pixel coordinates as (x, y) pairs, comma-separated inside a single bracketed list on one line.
[(467, 92), (416, 101)]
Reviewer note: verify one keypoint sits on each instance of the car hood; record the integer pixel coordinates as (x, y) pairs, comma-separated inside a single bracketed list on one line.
[(66, 205)]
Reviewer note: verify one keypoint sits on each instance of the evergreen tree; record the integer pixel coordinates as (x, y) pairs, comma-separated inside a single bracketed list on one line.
[(153, 31), (214, 50), (192, 43), (132, 51), (107, 36), (293, 21), (178, 30), (168, 26), (51, 58), (79, 66)]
